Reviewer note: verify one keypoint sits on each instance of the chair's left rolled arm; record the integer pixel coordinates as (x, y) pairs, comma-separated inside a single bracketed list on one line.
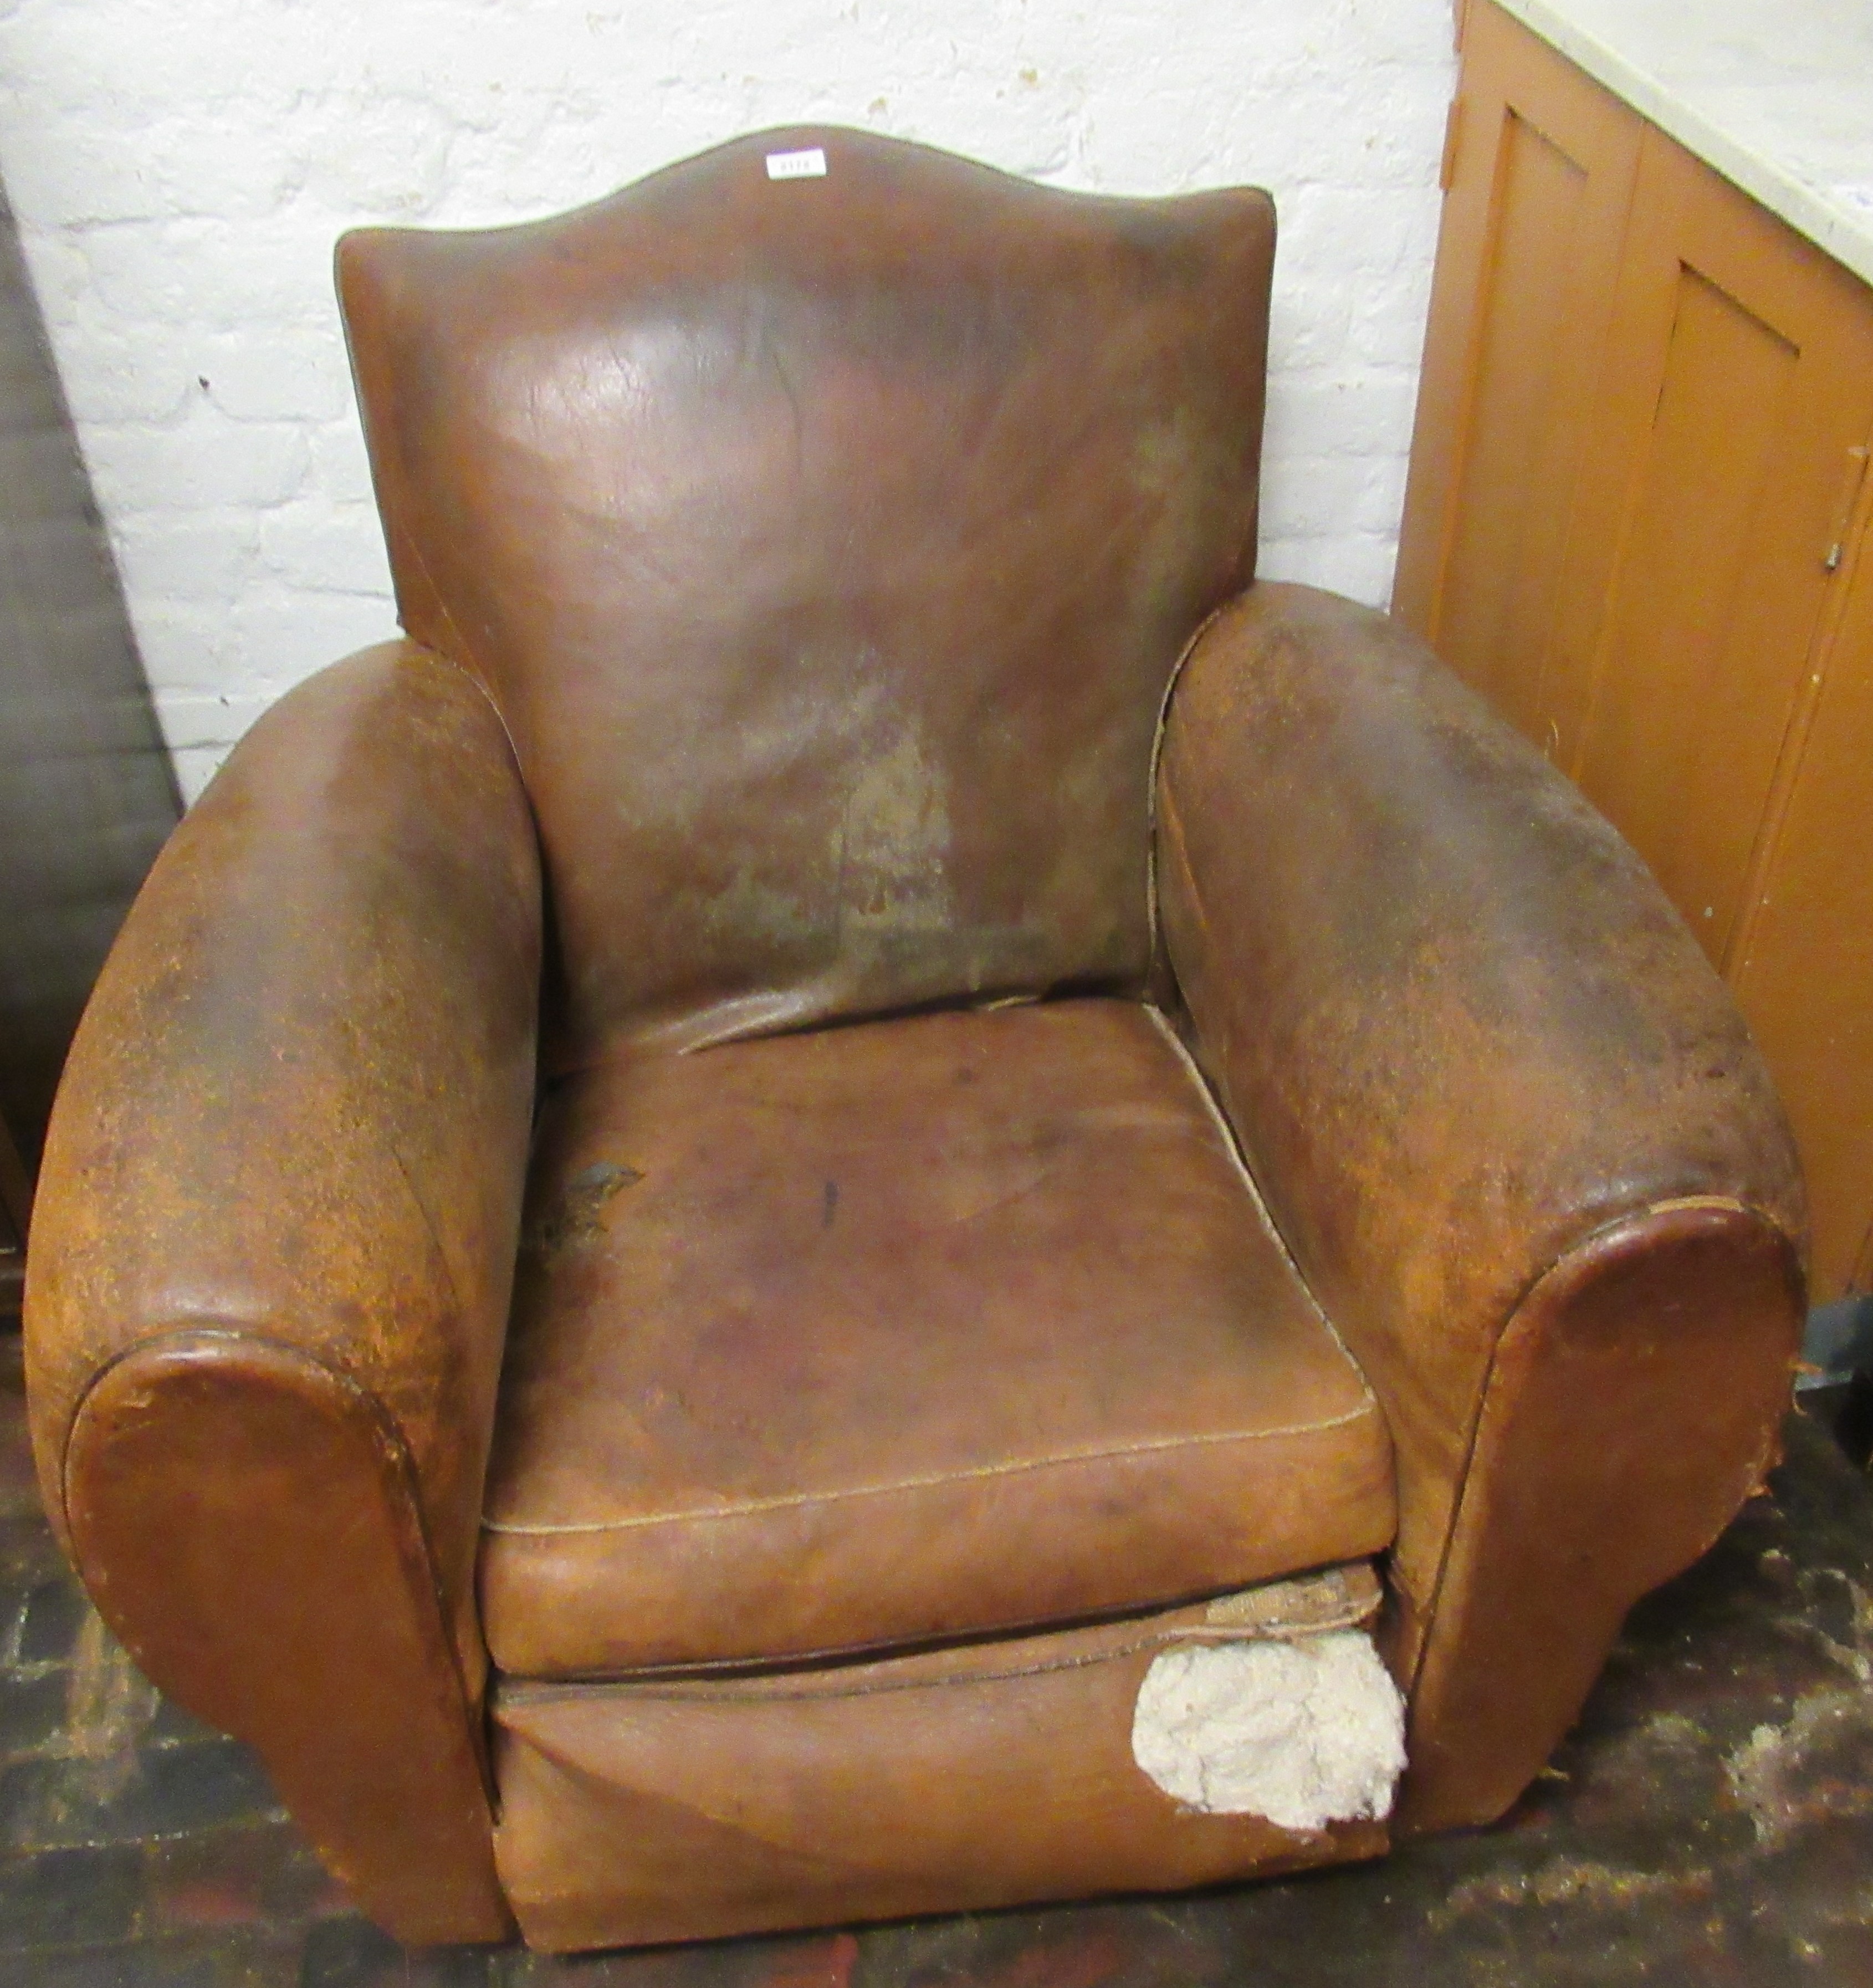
[(272, 1258), (1512, 1126)]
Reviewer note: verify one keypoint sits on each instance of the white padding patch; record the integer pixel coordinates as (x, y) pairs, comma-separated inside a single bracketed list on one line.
[(1305, 1733)]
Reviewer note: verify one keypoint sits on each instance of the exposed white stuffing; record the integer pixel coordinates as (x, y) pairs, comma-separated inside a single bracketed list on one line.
[(1304, 1733)]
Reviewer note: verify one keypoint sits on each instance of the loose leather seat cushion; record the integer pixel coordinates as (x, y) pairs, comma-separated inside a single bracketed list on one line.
[(918, 1328)]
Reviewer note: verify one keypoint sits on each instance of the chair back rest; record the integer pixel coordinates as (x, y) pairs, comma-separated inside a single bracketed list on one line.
[(827, 544)]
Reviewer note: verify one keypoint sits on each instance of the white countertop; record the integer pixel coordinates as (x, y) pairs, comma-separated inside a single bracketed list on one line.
[(1777, 95)]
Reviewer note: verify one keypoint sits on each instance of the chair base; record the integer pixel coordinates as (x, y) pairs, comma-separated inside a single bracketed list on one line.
[(989, 1774)]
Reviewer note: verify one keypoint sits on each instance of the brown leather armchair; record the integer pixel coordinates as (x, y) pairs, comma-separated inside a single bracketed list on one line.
[(775, 1227)]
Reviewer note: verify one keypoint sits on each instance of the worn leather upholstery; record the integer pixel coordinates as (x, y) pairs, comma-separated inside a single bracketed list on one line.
[(831, 616), (943, 1325), (794, 526), (272, 1254), (1515, 1132), (978, 1774)]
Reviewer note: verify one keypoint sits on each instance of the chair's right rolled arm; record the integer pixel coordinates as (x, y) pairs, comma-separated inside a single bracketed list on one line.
[(1513, 1128)]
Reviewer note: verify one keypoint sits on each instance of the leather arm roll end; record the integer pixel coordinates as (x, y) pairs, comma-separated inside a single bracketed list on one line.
[(1512, 1128), (273, 1256)]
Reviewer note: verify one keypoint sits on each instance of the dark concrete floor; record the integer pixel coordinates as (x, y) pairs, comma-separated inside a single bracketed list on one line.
[(1711, 1822)]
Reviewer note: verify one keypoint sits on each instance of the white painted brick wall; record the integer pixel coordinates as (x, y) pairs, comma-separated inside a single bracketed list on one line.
[(180, 169)]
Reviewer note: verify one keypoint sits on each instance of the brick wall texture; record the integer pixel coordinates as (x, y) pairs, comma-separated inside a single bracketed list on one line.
[(180, 169)]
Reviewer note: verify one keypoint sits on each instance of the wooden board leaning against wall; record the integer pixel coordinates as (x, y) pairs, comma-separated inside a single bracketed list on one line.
[(1637, 520)]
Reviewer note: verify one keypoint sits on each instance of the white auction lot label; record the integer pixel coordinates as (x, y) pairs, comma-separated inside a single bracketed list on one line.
[(809, 164)]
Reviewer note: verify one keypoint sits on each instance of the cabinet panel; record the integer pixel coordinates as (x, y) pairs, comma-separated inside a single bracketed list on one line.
[(1645, 416), (1671, 702), (1502, 560), (1805, 972), (1740, 371), (1542, 167)]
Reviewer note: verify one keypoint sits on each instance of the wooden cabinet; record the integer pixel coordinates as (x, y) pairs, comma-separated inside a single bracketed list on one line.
[(1636, 520)]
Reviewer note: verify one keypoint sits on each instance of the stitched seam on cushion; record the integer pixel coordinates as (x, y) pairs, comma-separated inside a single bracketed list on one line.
[(706, 1694), (1247, 1179), (794, 1500)]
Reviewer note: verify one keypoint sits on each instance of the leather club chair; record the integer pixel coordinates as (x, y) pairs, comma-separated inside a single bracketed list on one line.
[(728, 1225)]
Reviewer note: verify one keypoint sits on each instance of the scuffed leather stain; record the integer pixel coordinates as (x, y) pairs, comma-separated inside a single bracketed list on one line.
[(572, 1217), (893, 841)]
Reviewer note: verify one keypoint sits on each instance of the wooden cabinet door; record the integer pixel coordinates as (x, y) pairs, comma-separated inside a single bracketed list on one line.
[(1539, 167), (1738, 380), (1804, 965), (1636, 491)]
